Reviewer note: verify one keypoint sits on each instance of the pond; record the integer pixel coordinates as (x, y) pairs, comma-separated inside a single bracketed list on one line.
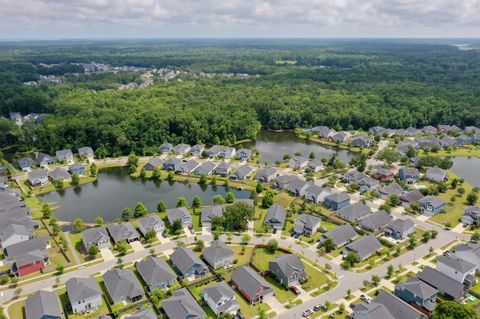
[(467, 168), (272, 146), (115, 189)]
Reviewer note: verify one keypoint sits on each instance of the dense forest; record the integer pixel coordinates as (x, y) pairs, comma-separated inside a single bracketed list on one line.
[(297, 83)]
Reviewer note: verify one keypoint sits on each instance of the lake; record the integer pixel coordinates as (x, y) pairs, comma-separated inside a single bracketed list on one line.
[(468, 168), (115, 189), (272, 146)]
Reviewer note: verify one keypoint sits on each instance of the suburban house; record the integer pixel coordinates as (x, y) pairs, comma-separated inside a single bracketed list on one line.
[(123, 232), (367, 184), (250, 285), (400, 228), (354, 212), (172, 164), (243, 154), (37, 177), (417, 293), (432, 205), (182, 305), (242, 172), (471, 216), (429, 129), (59, 174), (146, 313), (65, 156), (446, 286), (221, 299), (458, 269), (316, 194), (227, 152), (206, 168), (336, 201), (122, 285), (44, 159), (383, 174), (340, 137), (214, 151), (156, 273), (298, 187), (86, 152), (276, 215), (389, 190), (283, 181), (43, 305), (288, 270), (77, 168), (364, 247), (153, 163), (209, 212), (315, 165), (27, 257), (223, 169), (353, 177), (218, 255), (413, 196), (13, 233), (84, 294), (375, 222), (323, 131), (197, 150), (408, 174), (298, 162), (306, 225), (469, 252), (26, 164), (166, 148), (179, 213), (362, 141), (150, 222), (181, 149), (340, 235), (189, 166), (377, 130), (436, 174), (97, 236), (266, 175), (386, 306), (187, 263)]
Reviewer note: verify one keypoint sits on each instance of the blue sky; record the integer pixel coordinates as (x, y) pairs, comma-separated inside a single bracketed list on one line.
[(52, 19)]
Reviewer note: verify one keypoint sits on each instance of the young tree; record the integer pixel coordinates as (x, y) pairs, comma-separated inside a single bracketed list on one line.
[(393, 200), (272, 245), (143, 173), (453, 310), (267, 200), (329, 245), (59, 269), (218, 199), (229, 197), (161, 207), (259, 188), (412, 242), (132, 159), (99, 220), (46, 211), (126, 213), (352, 259), (157, 172), (390, 271), (426, 236), (203, 180), (472, 198), (375, 280), (151, 235), (475, 236), (389, 155), (79, 225), (93, 251), (245, 239), (75, 179), (132, 169), (170, 175), (140, 210), (182, 202), (93, 170), (122, 248), (176, 227), (196, 202), (199, 245)]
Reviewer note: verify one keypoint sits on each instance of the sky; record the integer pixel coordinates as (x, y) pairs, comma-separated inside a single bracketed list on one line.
[(60, 19)]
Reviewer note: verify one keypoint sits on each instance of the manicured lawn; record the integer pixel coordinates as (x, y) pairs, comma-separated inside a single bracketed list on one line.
[(35, 206), (242, 258), (281, 293), (76, 239), (17, 310), (470, 150), (315, 277), (64, 301), (249, 310), (260, 214), (284, 198), (263, 256), (196, 220), (476, 288)]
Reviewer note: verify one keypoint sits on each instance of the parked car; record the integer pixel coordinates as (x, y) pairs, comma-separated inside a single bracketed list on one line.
[(307, 313), (447, 253), (366, 298), (295, 290), (318, 307)]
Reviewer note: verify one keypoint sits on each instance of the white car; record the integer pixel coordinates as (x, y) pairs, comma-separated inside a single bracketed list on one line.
[(307, 313), (366, 298)]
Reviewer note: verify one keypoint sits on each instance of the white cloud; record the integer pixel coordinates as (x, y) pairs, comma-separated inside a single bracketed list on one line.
[(117, 16)]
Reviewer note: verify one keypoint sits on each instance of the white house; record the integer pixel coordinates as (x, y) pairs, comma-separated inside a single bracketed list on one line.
[(459, 270), (84, 294)]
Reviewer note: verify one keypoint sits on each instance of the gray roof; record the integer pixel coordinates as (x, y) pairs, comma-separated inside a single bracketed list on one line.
[(316, 190), (166, 147), (207, 166), (63, 153), (442, 282), (79, 289), (155, 162), (37, 174), (94, 235), (121, 283), (181, 148), (85, 151), (211, 211), (19, 249), (143, 314), (76, 165), (13, 229), (412, 196), (217, 251), (388, 306), (276, 214), (365, 246), (154, 270), (40, 157), (288, 264), (26, 162), (223, 167), (431, 200), (122, 231), (460, 265), (59, 173), (190, 165), (401, 225), (469, 252), (436, 173), (184, 259), (42, 303), (176, 213), (354, 212), (375, 220), (341, 234), (182, 305), (150, 221), (338, 197), (306, 220), (243, 171), (250, 282), (418, 287), (219, 292), (265, 172), (391, 189)]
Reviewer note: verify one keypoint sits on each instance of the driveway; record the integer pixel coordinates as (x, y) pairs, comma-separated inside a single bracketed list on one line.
[(137, 246), (107, 254)]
